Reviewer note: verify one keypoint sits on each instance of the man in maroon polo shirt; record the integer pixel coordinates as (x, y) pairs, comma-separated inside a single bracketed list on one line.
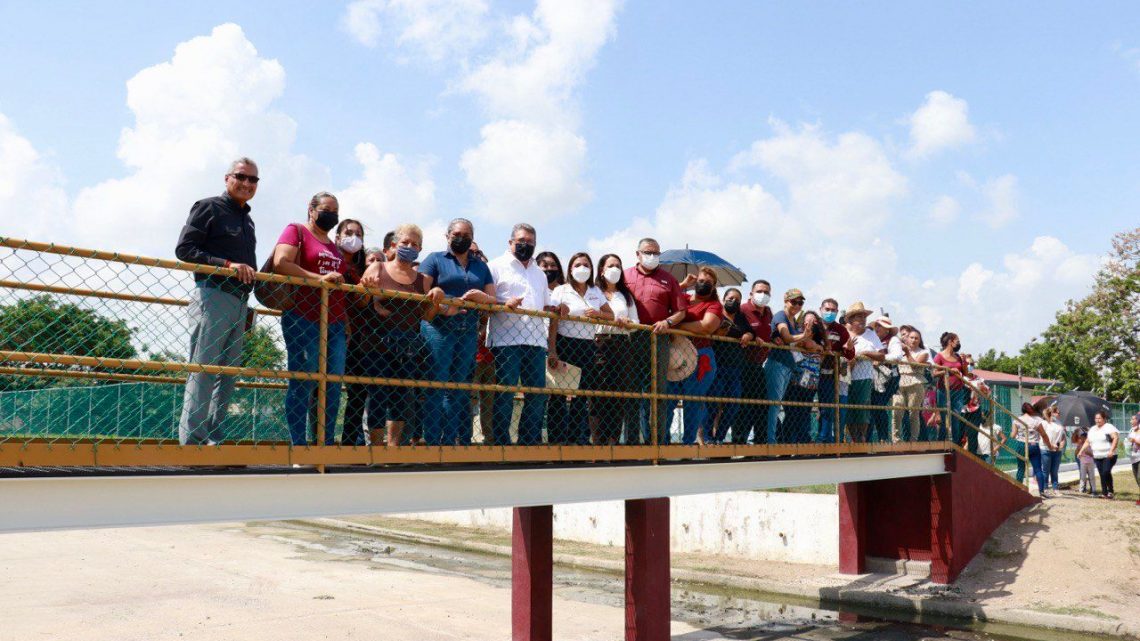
[(752, 419), (660, 303), (837, 342)]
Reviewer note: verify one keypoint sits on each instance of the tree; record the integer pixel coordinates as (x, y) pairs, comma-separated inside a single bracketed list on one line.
[(1094, 343), (261, 350), (995, 361), (43, 324)]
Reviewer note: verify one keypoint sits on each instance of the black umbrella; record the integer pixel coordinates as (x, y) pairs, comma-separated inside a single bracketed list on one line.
[(682, 262), (1077, 408)]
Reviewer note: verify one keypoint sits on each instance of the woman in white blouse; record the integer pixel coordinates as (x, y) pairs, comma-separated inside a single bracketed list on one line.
[(1102, 440), (572, 342), (616, 364), (1029, 427)]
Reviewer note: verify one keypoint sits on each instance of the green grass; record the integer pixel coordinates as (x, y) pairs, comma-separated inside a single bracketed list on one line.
[(1073, 611)]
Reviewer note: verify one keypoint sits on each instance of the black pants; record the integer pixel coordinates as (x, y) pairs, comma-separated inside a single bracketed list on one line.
[(752, 419), (617, 417), (568, 420), (357, 399), (1104, 466)]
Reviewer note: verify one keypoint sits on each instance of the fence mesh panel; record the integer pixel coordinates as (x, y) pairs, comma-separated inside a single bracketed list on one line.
[(103, 349)]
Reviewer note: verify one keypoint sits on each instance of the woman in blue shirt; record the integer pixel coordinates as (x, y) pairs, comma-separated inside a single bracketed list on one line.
[(453, 334)]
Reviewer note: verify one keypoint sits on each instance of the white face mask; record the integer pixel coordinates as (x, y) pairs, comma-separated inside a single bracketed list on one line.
[(612, 274), (351, 244), (650, 262), (760, 299), (580, 273)]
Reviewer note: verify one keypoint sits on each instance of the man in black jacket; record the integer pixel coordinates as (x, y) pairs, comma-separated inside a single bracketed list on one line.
[(218, 232)]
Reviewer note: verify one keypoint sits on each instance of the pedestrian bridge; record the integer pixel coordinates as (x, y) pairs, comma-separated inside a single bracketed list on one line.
[(93, 363)]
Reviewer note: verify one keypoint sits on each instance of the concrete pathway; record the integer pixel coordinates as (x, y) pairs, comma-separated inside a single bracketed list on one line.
[(206, 583)]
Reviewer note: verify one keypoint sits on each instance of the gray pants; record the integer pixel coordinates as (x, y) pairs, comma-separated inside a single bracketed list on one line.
[(1087, 470), (217, 332)]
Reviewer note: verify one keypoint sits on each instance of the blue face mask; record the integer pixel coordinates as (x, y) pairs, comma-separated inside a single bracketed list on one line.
[(407, 254), (829, 317)]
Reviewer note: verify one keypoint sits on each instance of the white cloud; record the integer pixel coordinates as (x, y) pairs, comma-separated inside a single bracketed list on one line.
[(388, 193), (1001, 201), (522, 171), (941, 123), (944, 210), (31, 187), (831, 183), (434, 29), (546, 57), (823, 218), (210, 103)]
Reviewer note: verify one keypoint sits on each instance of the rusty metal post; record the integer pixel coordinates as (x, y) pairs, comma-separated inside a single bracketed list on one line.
[(948, 418), (653, 392), (323, 369), (839, 427)]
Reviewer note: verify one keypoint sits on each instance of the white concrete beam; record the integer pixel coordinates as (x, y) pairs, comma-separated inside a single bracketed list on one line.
[(29, 504)]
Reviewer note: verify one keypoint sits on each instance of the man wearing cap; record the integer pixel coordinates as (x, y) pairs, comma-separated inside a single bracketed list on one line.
[(886, 384), (837, 343), (781, 363), (868, 350), (660, 302), (752, 418)]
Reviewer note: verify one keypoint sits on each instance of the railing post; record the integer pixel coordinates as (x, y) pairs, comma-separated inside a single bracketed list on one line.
[(835, 373), (323, 368), (947, 420), (1025, 452), (653, 391)]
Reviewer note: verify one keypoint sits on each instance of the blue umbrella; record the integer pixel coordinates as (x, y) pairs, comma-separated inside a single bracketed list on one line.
[(682, 262)]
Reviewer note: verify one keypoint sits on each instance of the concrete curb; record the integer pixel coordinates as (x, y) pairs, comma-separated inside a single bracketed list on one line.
[(826, 595)]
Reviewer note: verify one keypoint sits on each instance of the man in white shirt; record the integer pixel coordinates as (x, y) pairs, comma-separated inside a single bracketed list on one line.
[(518, 341)]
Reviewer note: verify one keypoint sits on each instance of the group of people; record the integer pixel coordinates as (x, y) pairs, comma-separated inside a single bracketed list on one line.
[(740, 347), (1041, 436)]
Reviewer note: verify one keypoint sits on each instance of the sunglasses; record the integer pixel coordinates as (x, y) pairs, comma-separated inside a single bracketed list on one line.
[(245, 178), (798, 301)]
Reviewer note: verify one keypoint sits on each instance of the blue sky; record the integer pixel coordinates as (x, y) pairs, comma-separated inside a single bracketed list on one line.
[(963, 166)]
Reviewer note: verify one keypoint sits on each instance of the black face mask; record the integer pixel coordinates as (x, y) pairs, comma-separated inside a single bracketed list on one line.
[(326, 220), (957, 348), (551, 274), (703, 289), (731, 306), (460, 244), (523, 251)]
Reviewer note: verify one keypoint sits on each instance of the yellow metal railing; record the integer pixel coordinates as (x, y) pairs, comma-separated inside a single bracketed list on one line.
[(131, 282)]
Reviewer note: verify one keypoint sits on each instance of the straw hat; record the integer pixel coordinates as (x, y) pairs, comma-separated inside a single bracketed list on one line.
[(857, 309)]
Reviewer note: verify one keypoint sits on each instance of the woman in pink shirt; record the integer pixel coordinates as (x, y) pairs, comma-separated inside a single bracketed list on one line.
[(306, 251)]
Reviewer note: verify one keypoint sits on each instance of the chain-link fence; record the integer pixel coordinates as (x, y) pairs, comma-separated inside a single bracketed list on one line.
[(119, 358)]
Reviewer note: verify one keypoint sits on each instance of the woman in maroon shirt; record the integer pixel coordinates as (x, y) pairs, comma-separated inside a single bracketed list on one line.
[(701, 317), (956, 369)]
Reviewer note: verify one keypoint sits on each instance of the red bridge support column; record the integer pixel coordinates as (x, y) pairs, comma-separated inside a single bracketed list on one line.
[(852, 529), (532, 573), (647, 607)]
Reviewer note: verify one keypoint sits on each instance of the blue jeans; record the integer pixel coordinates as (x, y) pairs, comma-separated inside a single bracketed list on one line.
[(777, 375), (1034, 460), (523, 365), (1051, 464), (727, 384), (695, 411), (826, 393), (302, 342), (453, 341), (958, 400)]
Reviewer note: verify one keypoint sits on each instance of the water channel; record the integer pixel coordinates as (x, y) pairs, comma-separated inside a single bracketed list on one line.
[(723, 613)]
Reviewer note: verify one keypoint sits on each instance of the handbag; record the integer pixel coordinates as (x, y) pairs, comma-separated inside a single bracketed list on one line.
[(882, 376), (682, 358), (807, 372), (272, 295), (563, 377)]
